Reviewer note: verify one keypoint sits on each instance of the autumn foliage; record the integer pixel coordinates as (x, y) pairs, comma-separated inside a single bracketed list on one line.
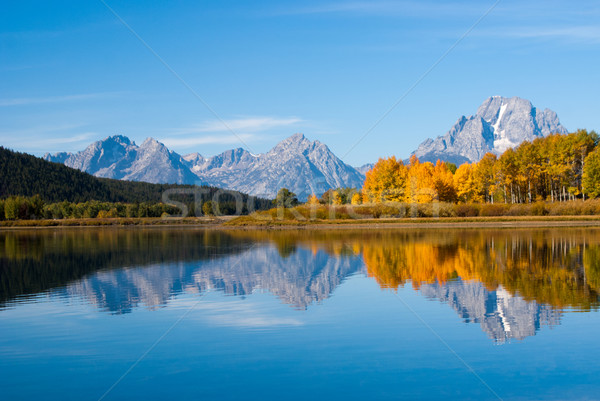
[(559, 267), (554, 168), (548, 267)]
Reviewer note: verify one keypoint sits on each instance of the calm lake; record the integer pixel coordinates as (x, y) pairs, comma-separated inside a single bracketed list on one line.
[(181, 314)]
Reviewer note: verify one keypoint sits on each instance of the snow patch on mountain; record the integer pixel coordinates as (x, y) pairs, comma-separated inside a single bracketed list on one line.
[(303, 166), (499, 124)]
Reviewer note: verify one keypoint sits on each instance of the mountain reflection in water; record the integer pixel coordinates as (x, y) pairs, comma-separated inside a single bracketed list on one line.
[(510, 282)]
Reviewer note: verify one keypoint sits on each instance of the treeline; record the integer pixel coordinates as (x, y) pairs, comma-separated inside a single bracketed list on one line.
[(27, 208), (553, 168), (555, 266), (559, 269), (28, 176), (36, 261), (33, 208)]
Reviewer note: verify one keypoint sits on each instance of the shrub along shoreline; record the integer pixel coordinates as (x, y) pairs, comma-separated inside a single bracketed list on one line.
[(364, 215), (114, 222), (34, 208), (422, 213)]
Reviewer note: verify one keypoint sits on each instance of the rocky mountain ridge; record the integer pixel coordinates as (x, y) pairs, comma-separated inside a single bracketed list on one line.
[(303, 166), (499, 124)]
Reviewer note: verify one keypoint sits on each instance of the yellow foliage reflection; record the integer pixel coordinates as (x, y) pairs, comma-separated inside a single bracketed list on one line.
[(559, 267), (560, 270)]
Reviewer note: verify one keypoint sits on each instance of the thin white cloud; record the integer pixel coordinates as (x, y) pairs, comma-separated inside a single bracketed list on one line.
[(226, 132), (23, 101), (86, 136), (47, 138), (38, 130), (574, 33), (247, 124), (243, 314), (207, 140), (384, 9), (44, 143)]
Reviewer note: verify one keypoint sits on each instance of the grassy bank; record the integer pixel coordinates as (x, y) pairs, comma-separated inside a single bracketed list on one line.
[(431, 213), (138, 221), (251, 222), (441, 222), (578, 213)]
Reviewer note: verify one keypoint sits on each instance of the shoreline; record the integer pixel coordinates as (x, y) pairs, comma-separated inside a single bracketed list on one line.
[(229, 223), (499, 222)]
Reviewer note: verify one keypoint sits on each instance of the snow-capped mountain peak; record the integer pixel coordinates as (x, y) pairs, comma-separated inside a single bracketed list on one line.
[(303, 166), (499, 124)]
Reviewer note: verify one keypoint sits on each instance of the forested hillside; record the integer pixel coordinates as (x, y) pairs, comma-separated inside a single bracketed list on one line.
[(26, 175)]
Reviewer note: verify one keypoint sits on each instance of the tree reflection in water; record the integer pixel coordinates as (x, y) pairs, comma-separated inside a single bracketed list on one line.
[(511, 282)]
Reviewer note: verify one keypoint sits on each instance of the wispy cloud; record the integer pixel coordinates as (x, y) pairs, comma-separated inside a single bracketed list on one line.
[(46, 138), (86, 136), (244, 315), (207, 140), (406, 8), (573, 33), (43, 143), (37, 131), (246, 124), (216, 132), (23, 101)]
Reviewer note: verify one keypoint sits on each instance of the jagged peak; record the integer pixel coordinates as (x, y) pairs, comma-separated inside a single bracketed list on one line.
[(152, 143), (296, 162), (233, 153), (193, 156), (295, 142), (499, 123), (120, 139), (149, 140), (298, 141), (297, 137)]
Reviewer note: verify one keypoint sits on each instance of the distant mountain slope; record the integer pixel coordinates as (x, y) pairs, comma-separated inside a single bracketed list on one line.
[(502, 316), (303, 166), (365, 167), (27, 175), (118, 157), (296, 163), (500, 123)]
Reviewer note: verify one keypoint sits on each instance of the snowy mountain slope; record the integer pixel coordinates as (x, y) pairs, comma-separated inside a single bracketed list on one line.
[(499, 123), (502, 316), (296, 163), (118, 157)]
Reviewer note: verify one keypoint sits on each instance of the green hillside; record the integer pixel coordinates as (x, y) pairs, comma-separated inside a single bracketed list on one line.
[(26, 175)]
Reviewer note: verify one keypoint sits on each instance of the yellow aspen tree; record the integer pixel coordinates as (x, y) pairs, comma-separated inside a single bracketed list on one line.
[(336, 198), (420, 186), (313, 200), (385, 181), (464, 182), (485, 178), (443, 182)]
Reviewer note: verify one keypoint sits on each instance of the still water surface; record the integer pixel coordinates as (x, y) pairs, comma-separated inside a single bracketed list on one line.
[(184, 314)]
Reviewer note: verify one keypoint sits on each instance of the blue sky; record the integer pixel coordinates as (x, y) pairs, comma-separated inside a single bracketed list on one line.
[(219, 75)]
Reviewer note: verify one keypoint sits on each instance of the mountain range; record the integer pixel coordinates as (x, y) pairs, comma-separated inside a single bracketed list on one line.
[(299, 279), (308, 167), (502, 315), (303, 166), (499, 123)]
